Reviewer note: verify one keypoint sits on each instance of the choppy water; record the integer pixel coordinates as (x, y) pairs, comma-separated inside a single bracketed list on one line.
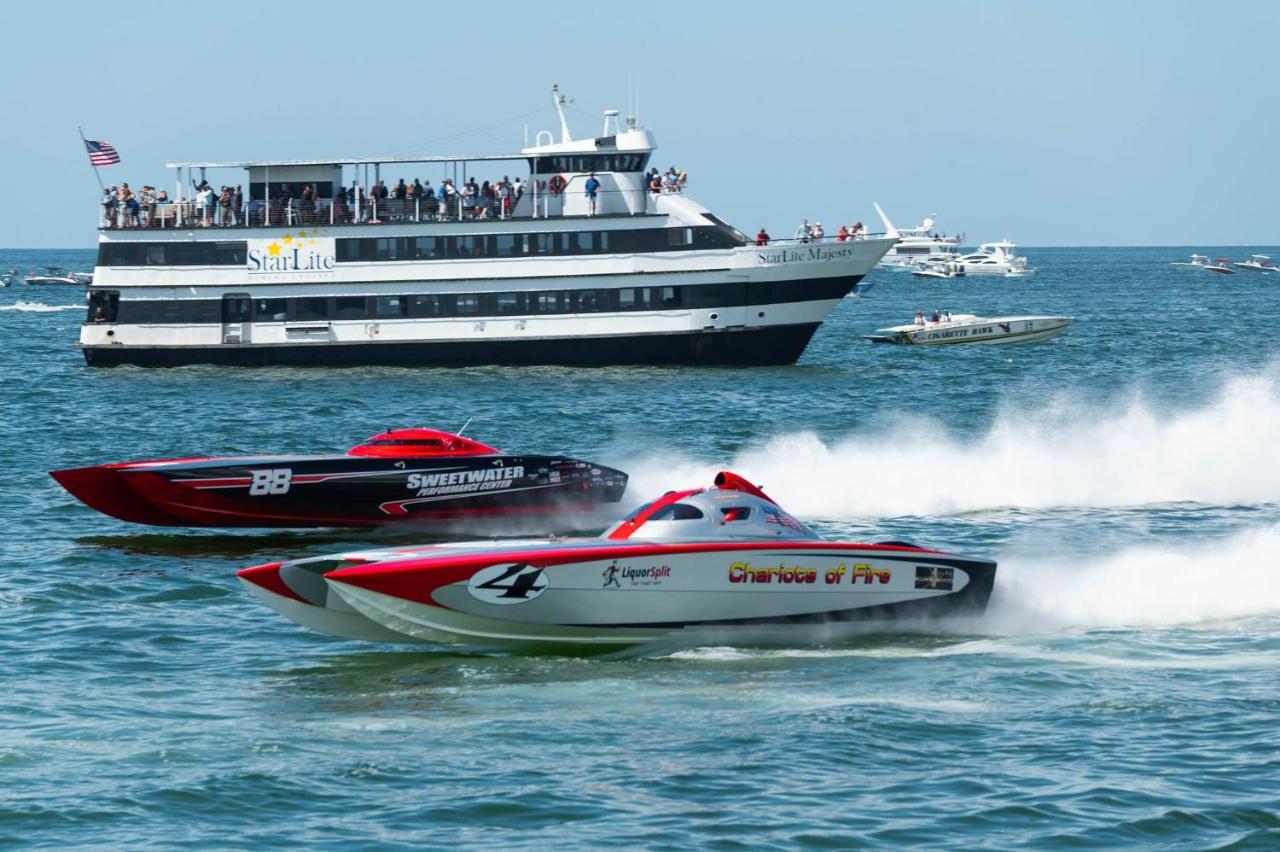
[(1122, 689)]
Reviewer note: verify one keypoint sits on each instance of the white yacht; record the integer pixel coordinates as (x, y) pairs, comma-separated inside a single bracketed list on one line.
[(1198, 261), (916, 246), (581, 263), (989, 259), (1258, 263)]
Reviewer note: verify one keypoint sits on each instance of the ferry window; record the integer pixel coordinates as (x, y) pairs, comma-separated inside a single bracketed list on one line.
[(228, 253), (670, 297), (627, 299), (349, 307), (735, 513), (104, 305), (589, 300), (268, 310), (679, 236), (315, 308), (468, 305), (390, 306), (579, 243), (190, 254), (677, 512), (156, 255), (601, 240), (511, 303), (427, 306), (468, 246), (549, 303), (428, 247), (351, 250), (531, 243), (505, 245), (386, 249)]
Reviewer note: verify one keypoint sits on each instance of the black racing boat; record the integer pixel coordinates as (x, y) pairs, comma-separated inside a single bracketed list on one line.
[(408, 474)]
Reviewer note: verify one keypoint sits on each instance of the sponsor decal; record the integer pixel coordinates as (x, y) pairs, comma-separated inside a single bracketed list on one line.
[(862, 572), (511, 583), (774, 515), (463, 481), (290, 255), (745, 572), (932, 577), (650, 576), (803, 253)]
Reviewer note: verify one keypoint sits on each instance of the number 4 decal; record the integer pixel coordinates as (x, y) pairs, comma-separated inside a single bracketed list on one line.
[(508, 584), (271, 481)]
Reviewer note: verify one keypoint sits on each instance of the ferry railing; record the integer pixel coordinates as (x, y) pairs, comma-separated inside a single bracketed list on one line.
[(363, 209)]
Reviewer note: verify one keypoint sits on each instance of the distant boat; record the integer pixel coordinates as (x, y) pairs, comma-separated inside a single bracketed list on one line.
[(967, 328), (1198, 261), (1222, 266), (52, 275), (989, 259), (915, 246), (1258, 263)]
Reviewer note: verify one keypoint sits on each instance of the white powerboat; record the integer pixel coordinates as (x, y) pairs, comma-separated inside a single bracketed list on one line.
[(52, 275), (967, 328), (916, 246), (722, 564), (1198, 261), (1222, 266), (1258, 263), (991, 259)]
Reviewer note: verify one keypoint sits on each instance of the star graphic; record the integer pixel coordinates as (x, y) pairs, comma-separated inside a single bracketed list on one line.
[(301, 234), (273, 249), (288, 238)]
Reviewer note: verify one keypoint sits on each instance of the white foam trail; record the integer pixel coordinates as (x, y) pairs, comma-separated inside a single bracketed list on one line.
[(1150, 585), (1051, 453), (39, 307)]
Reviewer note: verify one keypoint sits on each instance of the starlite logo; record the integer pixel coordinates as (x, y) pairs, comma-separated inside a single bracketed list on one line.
[(303, 253)]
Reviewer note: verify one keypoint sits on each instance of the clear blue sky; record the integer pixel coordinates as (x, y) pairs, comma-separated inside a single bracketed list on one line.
[(1072, 123)]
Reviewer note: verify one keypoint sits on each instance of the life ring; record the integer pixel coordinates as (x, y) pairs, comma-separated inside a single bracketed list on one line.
[(558, 183)]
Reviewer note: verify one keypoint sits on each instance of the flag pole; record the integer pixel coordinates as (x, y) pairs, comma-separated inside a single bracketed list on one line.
[(96, 174)]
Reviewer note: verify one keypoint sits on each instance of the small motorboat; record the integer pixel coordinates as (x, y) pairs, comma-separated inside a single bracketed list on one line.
[(938, 269), (422, 475), (1222, 266), (720, 564), (7, 278), (85, 278), (1198, 261), (950, 328), (52, 275), (1258, 263)]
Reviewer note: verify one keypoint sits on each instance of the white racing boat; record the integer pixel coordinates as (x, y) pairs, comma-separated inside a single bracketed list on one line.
[(719, 564), (1258, 263), (966, 328)]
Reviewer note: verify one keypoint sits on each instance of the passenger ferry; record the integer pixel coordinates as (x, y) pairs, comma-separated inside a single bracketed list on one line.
[(582, 264)]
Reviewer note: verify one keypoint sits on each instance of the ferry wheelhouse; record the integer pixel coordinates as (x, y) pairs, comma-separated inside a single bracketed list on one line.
[(580, 263)]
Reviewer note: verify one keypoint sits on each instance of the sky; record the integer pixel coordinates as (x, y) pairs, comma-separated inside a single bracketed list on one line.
[(1066, 123)]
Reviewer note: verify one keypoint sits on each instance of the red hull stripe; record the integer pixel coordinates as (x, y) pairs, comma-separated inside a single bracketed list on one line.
[(268, 577), (417, 579)]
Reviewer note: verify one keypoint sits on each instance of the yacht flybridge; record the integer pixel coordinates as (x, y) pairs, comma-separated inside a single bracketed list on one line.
[(916, 246), (582, 262)]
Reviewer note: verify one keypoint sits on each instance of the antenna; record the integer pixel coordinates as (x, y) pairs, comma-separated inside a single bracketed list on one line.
[(464, 427), (558, 100)]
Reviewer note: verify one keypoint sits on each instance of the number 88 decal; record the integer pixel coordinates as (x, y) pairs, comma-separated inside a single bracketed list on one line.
[(272, 481)]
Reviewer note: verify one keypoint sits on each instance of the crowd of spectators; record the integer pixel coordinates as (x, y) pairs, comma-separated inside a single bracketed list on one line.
[(814, 233)]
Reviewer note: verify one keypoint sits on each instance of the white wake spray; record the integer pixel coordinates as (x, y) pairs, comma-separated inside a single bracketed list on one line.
[(39, 307), (1050, 455)]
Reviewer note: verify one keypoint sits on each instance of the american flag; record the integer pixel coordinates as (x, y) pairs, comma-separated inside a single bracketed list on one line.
[(101, 153)]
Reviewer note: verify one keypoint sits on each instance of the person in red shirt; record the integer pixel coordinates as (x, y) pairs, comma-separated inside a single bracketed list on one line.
[(762, 238)]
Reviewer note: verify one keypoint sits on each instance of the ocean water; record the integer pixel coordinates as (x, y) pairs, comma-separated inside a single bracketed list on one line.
[(1122, 689)]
